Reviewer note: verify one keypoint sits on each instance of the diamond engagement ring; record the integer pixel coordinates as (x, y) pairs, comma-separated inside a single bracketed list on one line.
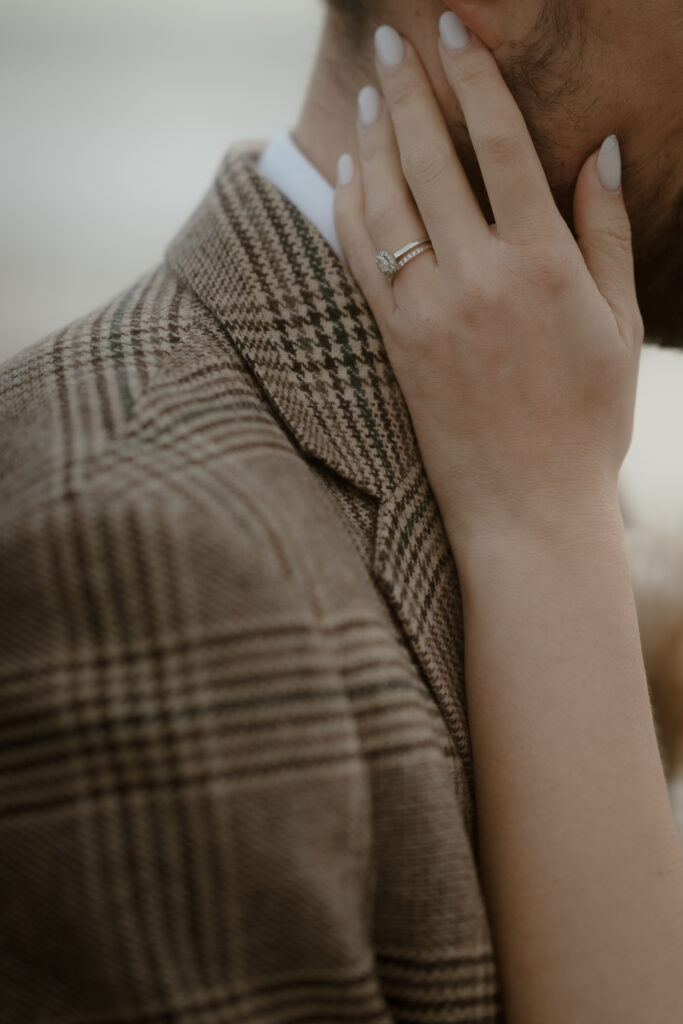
[(391, 262)]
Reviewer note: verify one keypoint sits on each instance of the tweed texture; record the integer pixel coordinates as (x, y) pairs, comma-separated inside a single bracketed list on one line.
[(235, 772)]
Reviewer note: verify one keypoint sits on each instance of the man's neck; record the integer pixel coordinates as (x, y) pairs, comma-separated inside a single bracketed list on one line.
[(327, 124)]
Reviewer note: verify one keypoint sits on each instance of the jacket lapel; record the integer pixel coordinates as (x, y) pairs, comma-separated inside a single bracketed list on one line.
[(301, 324)]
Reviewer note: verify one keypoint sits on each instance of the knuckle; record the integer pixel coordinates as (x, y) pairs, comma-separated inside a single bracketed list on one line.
[(546, 267), (425, 165), (501, 146), (406, 92), (471, 72), (617, 236), (475, 296), (550, 274)]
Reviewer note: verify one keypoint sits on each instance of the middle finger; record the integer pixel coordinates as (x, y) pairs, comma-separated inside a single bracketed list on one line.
[(431, 166)]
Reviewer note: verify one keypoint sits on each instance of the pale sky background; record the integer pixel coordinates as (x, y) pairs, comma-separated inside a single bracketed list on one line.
[(114, 116)]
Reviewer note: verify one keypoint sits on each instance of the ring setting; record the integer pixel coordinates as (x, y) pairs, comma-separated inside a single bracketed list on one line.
[(391, 262)]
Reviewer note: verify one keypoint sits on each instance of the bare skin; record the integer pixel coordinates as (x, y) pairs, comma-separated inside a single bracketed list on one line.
[(579, 71), (517, 349)]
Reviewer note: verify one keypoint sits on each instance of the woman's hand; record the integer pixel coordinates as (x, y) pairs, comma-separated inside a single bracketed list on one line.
[(516, 348)]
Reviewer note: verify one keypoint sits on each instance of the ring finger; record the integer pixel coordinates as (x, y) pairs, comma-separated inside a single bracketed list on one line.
[(391, 216)]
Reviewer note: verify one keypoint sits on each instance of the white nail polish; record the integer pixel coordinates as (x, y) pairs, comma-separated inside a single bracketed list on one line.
[(368, 105), (454, 35), (389, 47), (609, 164), (345, 170)]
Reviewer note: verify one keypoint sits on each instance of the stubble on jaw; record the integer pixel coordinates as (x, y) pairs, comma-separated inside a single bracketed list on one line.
[(546, 73), (549, 73), (544, 70)]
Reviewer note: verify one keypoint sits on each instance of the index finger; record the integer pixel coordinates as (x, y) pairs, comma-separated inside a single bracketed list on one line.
[(517, 186)]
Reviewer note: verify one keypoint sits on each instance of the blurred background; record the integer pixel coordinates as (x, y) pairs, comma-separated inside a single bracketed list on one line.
[(114, 117)]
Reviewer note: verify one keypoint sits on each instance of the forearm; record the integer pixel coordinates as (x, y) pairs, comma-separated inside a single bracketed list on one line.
[(580, 858)]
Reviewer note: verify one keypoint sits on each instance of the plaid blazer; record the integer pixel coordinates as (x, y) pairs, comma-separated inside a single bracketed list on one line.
[(235, 774)]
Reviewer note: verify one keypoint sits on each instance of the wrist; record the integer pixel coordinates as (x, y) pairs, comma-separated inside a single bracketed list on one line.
[(558, 528)]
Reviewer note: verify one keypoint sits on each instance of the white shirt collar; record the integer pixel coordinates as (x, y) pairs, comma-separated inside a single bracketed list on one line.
[(283, 163)]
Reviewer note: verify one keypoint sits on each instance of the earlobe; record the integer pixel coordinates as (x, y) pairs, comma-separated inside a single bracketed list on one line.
[(486, 18)]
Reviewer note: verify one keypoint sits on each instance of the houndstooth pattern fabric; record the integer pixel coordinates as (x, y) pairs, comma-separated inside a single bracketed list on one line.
[(235, 774)]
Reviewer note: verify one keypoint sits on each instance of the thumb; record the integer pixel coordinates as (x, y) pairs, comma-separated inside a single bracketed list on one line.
[(603, 233)]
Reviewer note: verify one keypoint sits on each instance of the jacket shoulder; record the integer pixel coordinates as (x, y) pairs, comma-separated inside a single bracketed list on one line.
[(199, 506), (68, 397), (177, 712)]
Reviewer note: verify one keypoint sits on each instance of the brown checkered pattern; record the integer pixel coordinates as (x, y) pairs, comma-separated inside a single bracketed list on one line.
[(235, 775)]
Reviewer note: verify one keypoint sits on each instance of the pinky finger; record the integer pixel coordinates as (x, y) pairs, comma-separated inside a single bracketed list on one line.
[(355, 240)]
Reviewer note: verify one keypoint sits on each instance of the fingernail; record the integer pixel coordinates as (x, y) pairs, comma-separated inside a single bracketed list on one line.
[(345, 170), (609, 164), (368, 105), (389, 47), (454, 35)]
